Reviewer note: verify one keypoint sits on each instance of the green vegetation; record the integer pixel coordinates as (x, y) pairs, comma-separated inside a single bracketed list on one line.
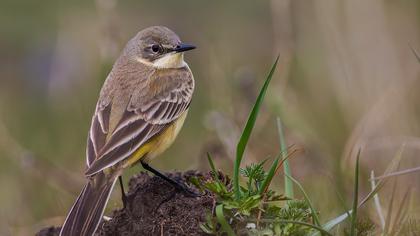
[(240, 149), (257, 209)]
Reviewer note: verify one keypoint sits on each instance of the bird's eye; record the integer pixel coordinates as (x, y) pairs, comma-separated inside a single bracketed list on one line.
[(156, 48)]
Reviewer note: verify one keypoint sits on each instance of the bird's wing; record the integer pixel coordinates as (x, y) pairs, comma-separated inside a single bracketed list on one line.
[(149, 111)]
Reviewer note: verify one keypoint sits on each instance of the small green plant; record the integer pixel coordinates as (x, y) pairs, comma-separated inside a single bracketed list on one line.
[(254, 213), (255, 209)]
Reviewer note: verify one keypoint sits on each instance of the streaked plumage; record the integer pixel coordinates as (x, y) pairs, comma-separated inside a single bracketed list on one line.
[(141, 108), (153, 101)]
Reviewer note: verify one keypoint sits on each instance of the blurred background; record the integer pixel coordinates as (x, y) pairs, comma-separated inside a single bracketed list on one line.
[(347, 80)]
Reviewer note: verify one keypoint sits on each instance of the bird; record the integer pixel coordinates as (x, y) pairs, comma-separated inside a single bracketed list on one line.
[(141, 108)]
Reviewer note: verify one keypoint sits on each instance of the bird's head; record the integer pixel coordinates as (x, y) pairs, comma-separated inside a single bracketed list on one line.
[(159, 47)]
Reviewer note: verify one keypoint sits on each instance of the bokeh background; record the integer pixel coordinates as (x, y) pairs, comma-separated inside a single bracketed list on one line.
[(347, 80)]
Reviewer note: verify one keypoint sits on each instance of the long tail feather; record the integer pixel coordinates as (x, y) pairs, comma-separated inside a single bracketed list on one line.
[(87, 211)]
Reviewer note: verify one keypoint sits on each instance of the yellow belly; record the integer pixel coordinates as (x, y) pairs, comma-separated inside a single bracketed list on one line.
[(158, 144)]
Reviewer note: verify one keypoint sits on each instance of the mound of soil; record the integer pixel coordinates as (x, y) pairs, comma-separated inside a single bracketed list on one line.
[(155, 207)]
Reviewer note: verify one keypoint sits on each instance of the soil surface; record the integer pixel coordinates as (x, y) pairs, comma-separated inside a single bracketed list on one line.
[(155, 207)]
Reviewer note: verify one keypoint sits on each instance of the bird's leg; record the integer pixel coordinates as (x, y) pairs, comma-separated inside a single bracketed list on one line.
[(123, 195), (175, 183)]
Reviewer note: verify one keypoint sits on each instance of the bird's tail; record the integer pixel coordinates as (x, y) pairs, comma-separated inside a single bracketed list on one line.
[(87, 211)]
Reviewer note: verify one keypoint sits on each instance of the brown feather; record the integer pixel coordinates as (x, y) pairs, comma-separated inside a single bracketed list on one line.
[(86, 213), (152, 101)]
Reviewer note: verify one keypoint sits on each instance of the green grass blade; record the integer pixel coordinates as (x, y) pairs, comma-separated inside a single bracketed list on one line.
[(355, 197), (308, 201), (270, 175), (273, 170), (288, 184), (240, 149), (213, 168), (223, 222)]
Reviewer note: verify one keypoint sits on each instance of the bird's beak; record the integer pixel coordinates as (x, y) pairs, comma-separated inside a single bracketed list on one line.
[(182, 47)]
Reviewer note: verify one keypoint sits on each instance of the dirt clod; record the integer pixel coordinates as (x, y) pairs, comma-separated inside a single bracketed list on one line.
[(155, 207)]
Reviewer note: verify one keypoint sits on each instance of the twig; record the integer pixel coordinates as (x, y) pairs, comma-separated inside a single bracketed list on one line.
[(376, 200)]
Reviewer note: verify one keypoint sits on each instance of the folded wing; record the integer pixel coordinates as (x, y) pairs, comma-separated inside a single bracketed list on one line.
[(149, 111)]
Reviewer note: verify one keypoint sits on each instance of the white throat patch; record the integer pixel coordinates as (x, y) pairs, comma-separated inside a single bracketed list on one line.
[(172, 60)]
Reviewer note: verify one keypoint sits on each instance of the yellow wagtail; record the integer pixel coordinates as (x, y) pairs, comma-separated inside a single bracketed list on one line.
[(141, 108)]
